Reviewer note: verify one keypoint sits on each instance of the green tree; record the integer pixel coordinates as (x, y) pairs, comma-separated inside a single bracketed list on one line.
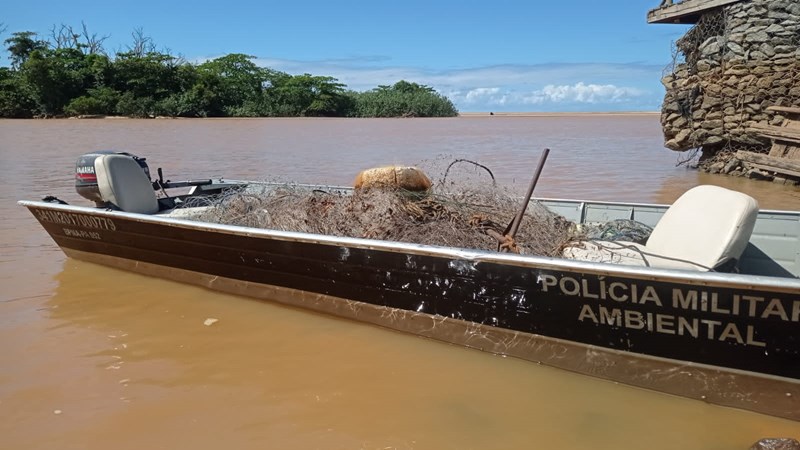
[(136, 106), (20, 46), (72, 75), (193, 98), (102, 100), (55, 77), (234, 80), (307, 95), (145, 81), (153, 74), (403, 99), (16, 100), (328, 97)]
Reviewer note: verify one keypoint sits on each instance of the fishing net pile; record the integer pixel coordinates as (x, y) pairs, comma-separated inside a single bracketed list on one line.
[(457, 211)]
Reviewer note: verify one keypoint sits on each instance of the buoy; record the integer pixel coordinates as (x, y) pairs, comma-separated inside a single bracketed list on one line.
[(408, 178)]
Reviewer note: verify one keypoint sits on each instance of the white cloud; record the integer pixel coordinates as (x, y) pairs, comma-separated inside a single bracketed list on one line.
[(481, 95), (578, 93), (584, 93)]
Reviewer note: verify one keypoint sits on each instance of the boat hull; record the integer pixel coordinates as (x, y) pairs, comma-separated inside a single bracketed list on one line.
[(729, 340)]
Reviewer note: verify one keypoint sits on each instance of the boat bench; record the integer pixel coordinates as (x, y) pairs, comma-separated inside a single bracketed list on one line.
[(706, 229)]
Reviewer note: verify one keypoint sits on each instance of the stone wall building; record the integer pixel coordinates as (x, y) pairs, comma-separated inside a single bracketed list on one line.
[(738, 59)]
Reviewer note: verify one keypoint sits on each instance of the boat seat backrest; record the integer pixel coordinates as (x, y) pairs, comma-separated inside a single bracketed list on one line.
[(707, 225), (124, 185)]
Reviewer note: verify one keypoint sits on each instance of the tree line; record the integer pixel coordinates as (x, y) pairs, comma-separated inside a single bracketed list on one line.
[(71, 74)]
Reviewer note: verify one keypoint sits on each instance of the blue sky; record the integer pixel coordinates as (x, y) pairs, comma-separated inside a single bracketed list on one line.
[(555, 55)]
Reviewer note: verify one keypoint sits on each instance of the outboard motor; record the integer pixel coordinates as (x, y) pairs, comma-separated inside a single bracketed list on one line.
[(86, 179)]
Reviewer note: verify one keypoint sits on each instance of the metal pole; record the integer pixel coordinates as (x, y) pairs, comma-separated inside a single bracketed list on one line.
[(518, 218)]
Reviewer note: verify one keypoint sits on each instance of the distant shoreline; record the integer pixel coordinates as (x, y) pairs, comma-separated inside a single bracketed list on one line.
[(557, 114), (463, 114)]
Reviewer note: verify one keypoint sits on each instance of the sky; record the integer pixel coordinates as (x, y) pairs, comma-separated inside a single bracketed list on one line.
[(501, 55)]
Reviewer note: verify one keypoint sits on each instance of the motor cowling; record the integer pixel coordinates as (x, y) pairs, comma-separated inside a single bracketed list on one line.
[(86, 178)]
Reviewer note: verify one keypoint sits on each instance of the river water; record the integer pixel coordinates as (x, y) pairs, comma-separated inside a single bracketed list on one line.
[(96, 358)]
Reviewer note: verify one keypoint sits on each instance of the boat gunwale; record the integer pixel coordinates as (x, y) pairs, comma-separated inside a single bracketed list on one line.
[(741, 281)]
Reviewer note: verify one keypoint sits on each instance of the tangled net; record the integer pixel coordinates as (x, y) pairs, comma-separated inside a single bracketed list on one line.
[(449, 215)]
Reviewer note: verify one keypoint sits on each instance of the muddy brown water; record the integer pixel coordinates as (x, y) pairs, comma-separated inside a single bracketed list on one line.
[(96, 358)]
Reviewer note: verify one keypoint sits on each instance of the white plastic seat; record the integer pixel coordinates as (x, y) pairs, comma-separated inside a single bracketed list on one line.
[(124, 185), (708, 227)]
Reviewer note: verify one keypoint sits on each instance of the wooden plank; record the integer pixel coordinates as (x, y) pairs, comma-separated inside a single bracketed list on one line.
[(784, 109), (777, 150), (780, 165), (776, 132), (770, 169), (686, 11)]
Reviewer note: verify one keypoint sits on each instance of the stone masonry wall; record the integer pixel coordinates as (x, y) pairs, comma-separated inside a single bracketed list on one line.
[(737, 61)]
